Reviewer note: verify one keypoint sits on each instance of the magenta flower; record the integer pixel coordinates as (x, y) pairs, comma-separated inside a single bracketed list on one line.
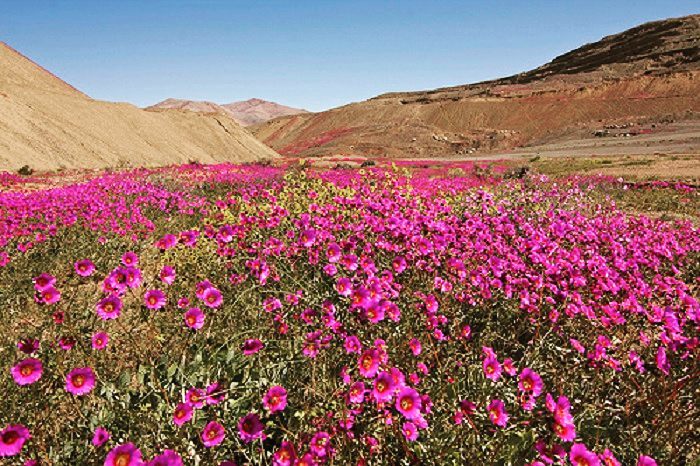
[(343, 286), (27, 371), (100, 437), (609, 459), (285, 455), (352, 345), (194, 318), (154, 299), (497, 413), (408, 403), (109, 308), (275, 399), (49, 295), (182, 414), (646, 461), (356, 394), (369, 363), (28, 345), (319, 445), (43, 281), (662, 360), (308, 238), (530, 381), (167, 275), (508, 367), (410, 432), (565, 431), (383, 390), (12, 439), (80, 381), (213, 434), (492, 368), (100, 341), (250, 428), (196, 397), (212, 297), (167, 458), (215, 393), (130, 259), (415, 346), (580, 456), (124, 455), (252, 346), (84, 267)]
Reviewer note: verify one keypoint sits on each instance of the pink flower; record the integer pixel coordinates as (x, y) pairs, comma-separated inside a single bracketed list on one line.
[(530, 381), (383, 390), (109, 308), (645, 461), (80, 381), (28, 345), (319, 444), (369, 363), (285, 455), (43, 281), (275, 399), (352, 345), (565, 431), (167, 458), (250, 428), (212, 297), (408, 403), (580, 456), (124, 455), (410, 432), (167, 275), (49, 295), (356, 394), (215, 393), (497, 413), (492, 368), (213, 434), (130, 259), (252, 346), (196, 397), (154, 299), (508, 367), (662, 360), (416, 347), (12, 439), (343, 286), (84, 267), (100, 341), (194, 318), (308, 238), (27, 371), (609, 459), (182, 414), (100, 437)]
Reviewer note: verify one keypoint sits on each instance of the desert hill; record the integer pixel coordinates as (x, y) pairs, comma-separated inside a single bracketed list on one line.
[(47, 124), (645, 75), (247, 112)]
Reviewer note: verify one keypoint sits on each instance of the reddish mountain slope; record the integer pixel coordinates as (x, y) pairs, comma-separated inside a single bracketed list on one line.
[(648, 73)]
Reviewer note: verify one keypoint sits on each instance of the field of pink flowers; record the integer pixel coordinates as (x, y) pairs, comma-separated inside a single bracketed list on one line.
[(220, 315)]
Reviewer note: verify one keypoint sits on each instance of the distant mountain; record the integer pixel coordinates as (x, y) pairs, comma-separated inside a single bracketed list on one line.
[(246, 113), (47, 124), (646, 73), (254, 111)]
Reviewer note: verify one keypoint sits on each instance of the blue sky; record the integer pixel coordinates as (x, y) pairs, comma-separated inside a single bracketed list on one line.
[(311, 54)]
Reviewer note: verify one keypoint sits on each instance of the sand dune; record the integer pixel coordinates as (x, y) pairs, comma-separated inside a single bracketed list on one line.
[(47, 124)]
